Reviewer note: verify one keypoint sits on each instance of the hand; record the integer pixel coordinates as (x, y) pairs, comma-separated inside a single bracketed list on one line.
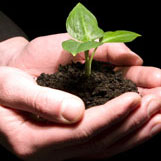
[(40, 141), (142, 124), (35, 58)]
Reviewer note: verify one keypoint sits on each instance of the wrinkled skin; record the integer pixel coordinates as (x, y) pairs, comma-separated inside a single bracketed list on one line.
[(73, 132)]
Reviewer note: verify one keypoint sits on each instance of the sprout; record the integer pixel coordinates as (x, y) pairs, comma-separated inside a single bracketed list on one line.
[(82, 25)]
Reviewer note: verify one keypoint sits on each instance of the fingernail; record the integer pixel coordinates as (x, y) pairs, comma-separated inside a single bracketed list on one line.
[(72, 110), (139, 60), (153, 107), (156, 129), (131, 52)]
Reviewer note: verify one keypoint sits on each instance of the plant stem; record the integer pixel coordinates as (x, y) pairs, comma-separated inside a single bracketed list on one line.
[(91, 58), (87, 64)]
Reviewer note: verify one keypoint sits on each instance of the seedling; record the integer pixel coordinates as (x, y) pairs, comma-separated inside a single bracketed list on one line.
[(82, 25)]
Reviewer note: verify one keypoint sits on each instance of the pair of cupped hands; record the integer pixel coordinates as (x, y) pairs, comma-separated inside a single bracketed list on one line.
[(72, 132)]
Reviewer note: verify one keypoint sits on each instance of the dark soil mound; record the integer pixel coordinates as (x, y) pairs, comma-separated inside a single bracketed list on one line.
[(103, 84)]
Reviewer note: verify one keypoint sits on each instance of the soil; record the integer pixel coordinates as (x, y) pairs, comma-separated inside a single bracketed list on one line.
[(103, 85)]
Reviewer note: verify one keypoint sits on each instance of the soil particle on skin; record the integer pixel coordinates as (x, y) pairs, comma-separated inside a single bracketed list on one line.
[(103, 85)]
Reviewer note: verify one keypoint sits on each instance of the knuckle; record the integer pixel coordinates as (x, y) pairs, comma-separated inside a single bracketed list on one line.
[(38, 41), (140, 119), (7, 89), (157, 118), (38, 101), (21, 147), (41, 104), (136, 123), (22, 151), (156, 74), (84, 135), (35, 40), (142, 115), (115, 116), (5, 85), (87, 136), (32, 46)]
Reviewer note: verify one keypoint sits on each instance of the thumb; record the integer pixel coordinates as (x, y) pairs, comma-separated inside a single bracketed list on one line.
[(20, 91), (117, 53), (55, 105)]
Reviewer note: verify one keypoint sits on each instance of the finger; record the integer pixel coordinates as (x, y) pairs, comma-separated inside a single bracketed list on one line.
[(150, 105), (143, 134), (20, 91), (147, 132), (147, 77), (95, 120), (115, 53), (147, 91), (43, 54), (10, 48), (51, 46), (117, 109)]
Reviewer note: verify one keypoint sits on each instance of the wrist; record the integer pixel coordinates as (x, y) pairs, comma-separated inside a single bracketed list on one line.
[(10, 48)]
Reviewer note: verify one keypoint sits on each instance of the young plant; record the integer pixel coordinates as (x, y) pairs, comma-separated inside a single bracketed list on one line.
[(82, 25)]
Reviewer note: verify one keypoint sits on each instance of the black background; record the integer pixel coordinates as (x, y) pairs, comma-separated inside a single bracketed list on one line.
[(48, 17)]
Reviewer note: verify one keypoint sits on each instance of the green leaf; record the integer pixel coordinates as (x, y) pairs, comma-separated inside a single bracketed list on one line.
[(82, 25), (75, 47), (119, 36)]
